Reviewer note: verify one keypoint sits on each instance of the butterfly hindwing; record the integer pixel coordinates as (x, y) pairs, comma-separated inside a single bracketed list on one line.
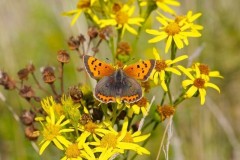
[(96, 68), (131, 90), (140, 70), (123, 87)]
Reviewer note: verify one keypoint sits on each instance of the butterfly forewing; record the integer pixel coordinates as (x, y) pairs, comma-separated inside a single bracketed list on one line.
[(96, 68), (140, 70)]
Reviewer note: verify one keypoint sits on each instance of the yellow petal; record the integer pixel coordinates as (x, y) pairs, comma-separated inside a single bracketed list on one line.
[(186, 83), (202, 95), (191, 91), (168, 44), (44, 146), (212, 86)]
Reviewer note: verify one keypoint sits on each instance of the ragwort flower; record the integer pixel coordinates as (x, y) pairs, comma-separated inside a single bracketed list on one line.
[(79, 150), (52, 131), (196, 84), (189, 18), (162, 4), (123, 19), (114, 142), (205, 71), (82, 6), (173, 31), (162, 66), (141, 105)]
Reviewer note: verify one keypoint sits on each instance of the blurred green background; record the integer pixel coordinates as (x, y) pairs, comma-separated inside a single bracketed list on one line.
[(35, 30)]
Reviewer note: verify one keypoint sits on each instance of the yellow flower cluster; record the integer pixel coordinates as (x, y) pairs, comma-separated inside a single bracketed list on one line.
[(88, 129), (75, 142)]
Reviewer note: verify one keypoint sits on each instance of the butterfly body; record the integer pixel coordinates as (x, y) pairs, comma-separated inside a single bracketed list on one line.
[(118, 83)]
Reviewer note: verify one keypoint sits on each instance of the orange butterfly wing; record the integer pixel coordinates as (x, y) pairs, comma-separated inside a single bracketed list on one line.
[(140, 70), (96, 68)]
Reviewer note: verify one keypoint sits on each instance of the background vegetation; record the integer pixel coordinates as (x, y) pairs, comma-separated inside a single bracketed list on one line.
[(35, 31)]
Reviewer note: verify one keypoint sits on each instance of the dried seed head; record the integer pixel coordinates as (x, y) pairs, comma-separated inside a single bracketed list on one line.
[(27, 117), (63, 56), (48, 75), (31, 133), (124, 48), (73, 43), (105, 33), (165, 111), (92, 32), (81, 39), (116, 7), (27, 92), (30, 67), (85, 118), (123, 51), (6, 81), (75, 93), (23, 74)]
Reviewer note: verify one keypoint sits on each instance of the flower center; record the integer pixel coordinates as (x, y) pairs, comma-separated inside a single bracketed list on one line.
[(90, 127), (51, 131), (121, 17), (109, 140), (82, 4), (72, 151), (160, 65), (142, 102), (172, 28), (128, 138), (204, 69), (199, 83)]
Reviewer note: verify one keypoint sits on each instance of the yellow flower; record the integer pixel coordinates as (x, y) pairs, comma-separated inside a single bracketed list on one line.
[(114, 142), (141, 105), (91, 128), (52, 131), (82, 6), (205, 71), (78, 150), (122, 19), (175, 32), (196, 84), (162, 66), (189, 18), (162, 4)]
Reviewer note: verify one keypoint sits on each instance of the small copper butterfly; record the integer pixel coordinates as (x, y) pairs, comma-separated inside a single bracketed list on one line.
[(118, 83)]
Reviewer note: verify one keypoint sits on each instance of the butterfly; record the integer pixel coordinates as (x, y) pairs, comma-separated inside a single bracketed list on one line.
[(119, 83)]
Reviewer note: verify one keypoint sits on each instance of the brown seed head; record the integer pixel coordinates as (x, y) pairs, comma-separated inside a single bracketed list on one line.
[(23, 74), (26, 92), (124, 48), (81, 38), (75, 93), (6, 81), (30, 67), (165, 111), (105, 33), (48, 75), (85, 118), (92, 32), (116, 7), (27, 117), (73, 43), (63, 56), (31, 133)]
